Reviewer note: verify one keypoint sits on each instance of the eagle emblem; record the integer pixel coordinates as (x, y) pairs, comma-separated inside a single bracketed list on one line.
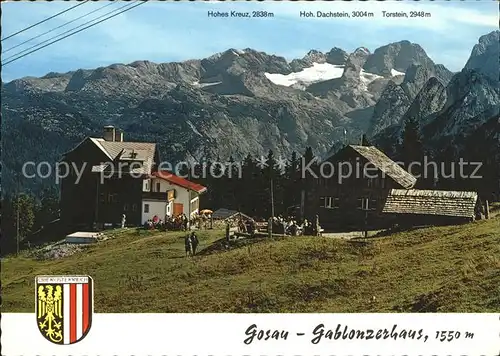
[(64, 307)]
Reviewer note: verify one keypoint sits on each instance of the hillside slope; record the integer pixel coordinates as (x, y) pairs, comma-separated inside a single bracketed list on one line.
[(444, 269)]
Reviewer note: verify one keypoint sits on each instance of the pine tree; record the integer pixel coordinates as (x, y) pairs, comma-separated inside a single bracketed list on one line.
[(231, 183), (292, 182), (25, 204), (412, 148), (308, 180), (270, 179), (248, 186)]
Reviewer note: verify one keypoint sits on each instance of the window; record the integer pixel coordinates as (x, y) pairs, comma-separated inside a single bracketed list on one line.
[(329, 202), (195, 204), (363, 203), (146, 208), (134, 207), (158, 187), (321, 202), (367, 203)]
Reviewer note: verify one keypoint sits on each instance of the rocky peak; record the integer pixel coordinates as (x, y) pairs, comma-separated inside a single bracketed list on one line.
[(470, 83), (237, 62), (429, 101), (417, 75), (398, 56), (471, 99), (354, 63), (485, 55), (313, 56), (336, 56), (419, 84), (389, 109)]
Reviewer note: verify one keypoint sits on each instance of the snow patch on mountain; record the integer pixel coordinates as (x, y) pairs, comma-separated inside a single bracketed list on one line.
[(317, 73), (203, 85), (367, 78), (396, 73)]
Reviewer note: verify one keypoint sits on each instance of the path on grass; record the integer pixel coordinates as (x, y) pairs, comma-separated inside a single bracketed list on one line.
[(350, 234)]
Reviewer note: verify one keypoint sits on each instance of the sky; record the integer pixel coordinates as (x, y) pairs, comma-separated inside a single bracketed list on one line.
[(176, 31)]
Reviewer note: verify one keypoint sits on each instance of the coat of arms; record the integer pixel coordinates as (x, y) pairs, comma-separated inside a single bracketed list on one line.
[(64, 307)]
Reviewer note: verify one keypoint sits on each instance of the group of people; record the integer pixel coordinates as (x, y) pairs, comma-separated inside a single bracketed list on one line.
[(294, 227), (170, 223), (285, 226), (288, 226)]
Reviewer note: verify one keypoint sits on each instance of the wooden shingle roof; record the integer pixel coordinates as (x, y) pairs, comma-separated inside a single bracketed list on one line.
[(386, 165), (117, 151), (431, 202)]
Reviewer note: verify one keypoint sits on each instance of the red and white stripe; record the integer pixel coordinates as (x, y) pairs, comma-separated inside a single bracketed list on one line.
[(76, 311)]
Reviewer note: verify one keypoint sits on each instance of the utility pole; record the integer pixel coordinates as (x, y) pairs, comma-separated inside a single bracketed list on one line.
[(271, 221), (17, 219), (272, 198), (189, 197)]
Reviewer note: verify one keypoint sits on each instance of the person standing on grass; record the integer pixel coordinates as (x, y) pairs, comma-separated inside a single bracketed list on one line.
[(194, 242), (188, 243)]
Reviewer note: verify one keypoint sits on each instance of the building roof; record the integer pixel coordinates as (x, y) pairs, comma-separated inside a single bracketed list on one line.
[(386, 165), (431, 202), (143, 152), (115, 151), (182, 182), (227, 214)]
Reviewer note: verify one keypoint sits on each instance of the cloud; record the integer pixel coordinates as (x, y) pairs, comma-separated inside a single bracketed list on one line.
[(442, 17)]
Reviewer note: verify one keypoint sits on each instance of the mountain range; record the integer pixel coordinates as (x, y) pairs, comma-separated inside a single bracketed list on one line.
[(241, 102)]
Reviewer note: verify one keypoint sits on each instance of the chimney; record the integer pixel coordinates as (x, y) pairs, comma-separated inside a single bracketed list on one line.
[(118, 136), (109, 133)]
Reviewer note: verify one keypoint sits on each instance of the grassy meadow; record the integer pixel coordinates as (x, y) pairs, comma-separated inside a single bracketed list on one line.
[(438, 269)]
